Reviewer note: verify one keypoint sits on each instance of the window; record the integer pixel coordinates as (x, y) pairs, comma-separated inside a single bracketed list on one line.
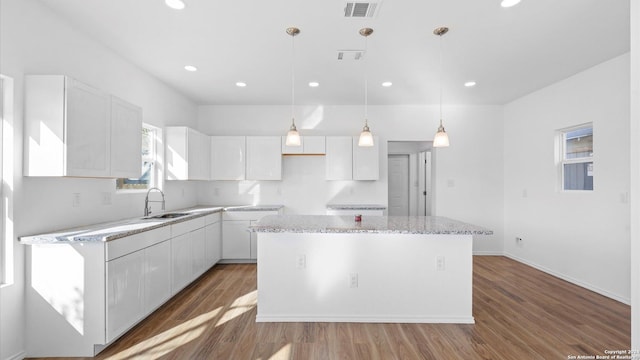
[(148, 178), (576, 157)]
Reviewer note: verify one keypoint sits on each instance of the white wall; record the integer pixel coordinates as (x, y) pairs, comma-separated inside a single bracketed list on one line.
[(36, 41), (635, 174), (472, 165), (582, 237)]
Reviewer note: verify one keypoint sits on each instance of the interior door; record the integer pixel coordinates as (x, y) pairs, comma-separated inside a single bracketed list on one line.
[(399, 185)]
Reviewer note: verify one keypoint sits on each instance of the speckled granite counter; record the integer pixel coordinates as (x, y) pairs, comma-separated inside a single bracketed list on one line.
[(356, 207), (119, 229), (369, 224)]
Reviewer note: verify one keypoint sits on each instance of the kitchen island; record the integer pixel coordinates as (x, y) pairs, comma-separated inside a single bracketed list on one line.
[(404, 269)]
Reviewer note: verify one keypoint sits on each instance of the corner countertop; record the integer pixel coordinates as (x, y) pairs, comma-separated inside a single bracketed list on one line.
[(253, 208), (369, 224), (356, 207), (118, 229)]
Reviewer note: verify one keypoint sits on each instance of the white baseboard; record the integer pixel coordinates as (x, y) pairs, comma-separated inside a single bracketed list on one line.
[(570, 279), (19, 356), (367, 319), (488, 253)]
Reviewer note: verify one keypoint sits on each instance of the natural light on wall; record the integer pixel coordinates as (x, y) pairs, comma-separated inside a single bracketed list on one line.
[(6, 166)]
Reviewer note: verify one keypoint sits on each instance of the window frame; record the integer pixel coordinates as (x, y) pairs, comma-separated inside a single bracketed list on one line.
[(154, 180), (562, 160)]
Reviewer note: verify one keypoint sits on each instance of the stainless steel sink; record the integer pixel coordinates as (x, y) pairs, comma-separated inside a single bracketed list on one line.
[(167, 216)]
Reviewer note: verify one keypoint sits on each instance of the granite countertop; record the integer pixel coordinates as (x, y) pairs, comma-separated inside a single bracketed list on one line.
[(119, 229), (253, 207), (356, 207), (369, 224)]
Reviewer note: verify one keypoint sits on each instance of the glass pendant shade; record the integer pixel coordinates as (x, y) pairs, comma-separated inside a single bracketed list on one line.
[(293, 136), (441, 139), (366, 139)]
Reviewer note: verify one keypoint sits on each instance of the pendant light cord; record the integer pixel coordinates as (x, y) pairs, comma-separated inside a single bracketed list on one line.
[(441, 79), (366, 84), (293, 77)]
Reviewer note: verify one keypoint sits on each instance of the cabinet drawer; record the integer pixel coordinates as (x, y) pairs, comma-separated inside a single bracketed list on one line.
[(187, 226), (126, 245)]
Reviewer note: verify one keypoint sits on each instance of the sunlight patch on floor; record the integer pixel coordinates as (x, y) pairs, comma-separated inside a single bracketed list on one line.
[(282, 354), (169, 340), (240, 306)]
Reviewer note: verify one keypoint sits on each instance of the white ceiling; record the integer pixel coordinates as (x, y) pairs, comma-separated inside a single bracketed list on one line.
[(509, 52)]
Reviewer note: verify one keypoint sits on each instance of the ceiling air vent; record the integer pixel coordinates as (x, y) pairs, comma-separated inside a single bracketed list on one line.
[(350, 54), (360, 9)]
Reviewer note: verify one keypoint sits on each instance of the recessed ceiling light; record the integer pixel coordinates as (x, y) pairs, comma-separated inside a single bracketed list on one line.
[(509, 3), (175, 4), (190, 68), (387, 83), (314, 84), (470, 83), (241, 84)]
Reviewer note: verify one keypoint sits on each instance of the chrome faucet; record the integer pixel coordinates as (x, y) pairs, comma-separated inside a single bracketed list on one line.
[(147, 209)]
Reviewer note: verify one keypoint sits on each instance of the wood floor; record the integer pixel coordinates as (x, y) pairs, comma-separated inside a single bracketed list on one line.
[(520, 313)]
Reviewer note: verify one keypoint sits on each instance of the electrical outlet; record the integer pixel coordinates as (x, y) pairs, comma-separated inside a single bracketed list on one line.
[(301, 261), (353, 280), (440, 264)]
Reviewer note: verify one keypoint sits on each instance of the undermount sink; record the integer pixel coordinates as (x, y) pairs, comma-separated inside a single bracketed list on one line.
[(167, 216)]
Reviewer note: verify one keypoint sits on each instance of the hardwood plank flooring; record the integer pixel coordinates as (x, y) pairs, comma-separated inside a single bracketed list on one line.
[(520, 313)]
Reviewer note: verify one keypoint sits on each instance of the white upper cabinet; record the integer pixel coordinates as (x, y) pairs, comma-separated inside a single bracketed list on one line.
[(67, 128), (339, 158), (228, 157), (72, 129), (309, 145), (264, 158), (186, 154), (346, 160), (366, 160), (126, 139)]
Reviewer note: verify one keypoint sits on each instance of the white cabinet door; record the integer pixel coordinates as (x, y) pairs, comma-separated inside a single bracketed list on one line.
[(228, 157), (181, 258), (198, 253), (87, 131), (309, 145), (366, 160), (264, 158), (339, 158), (125, 293), (197, 155), (314, 145), (236, 240), (186, 154), (126, 139), (213, 245), (157, 275)]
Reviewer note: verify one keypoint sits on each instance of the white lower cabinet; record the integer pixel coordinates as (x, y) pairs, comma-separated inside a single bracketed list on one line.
[(96, 291), (213, 240), (125, 289), (238, 244), (157, 270)]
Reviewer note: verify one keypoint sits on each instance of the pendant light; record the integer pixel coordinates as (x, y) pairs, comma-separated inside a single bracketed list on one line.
[(293, 136), (366, 139), (441, 139)]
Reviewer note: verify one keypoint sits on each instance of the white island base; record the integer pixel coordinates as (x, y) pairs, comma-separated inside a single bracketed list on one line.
[(364, 277)]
